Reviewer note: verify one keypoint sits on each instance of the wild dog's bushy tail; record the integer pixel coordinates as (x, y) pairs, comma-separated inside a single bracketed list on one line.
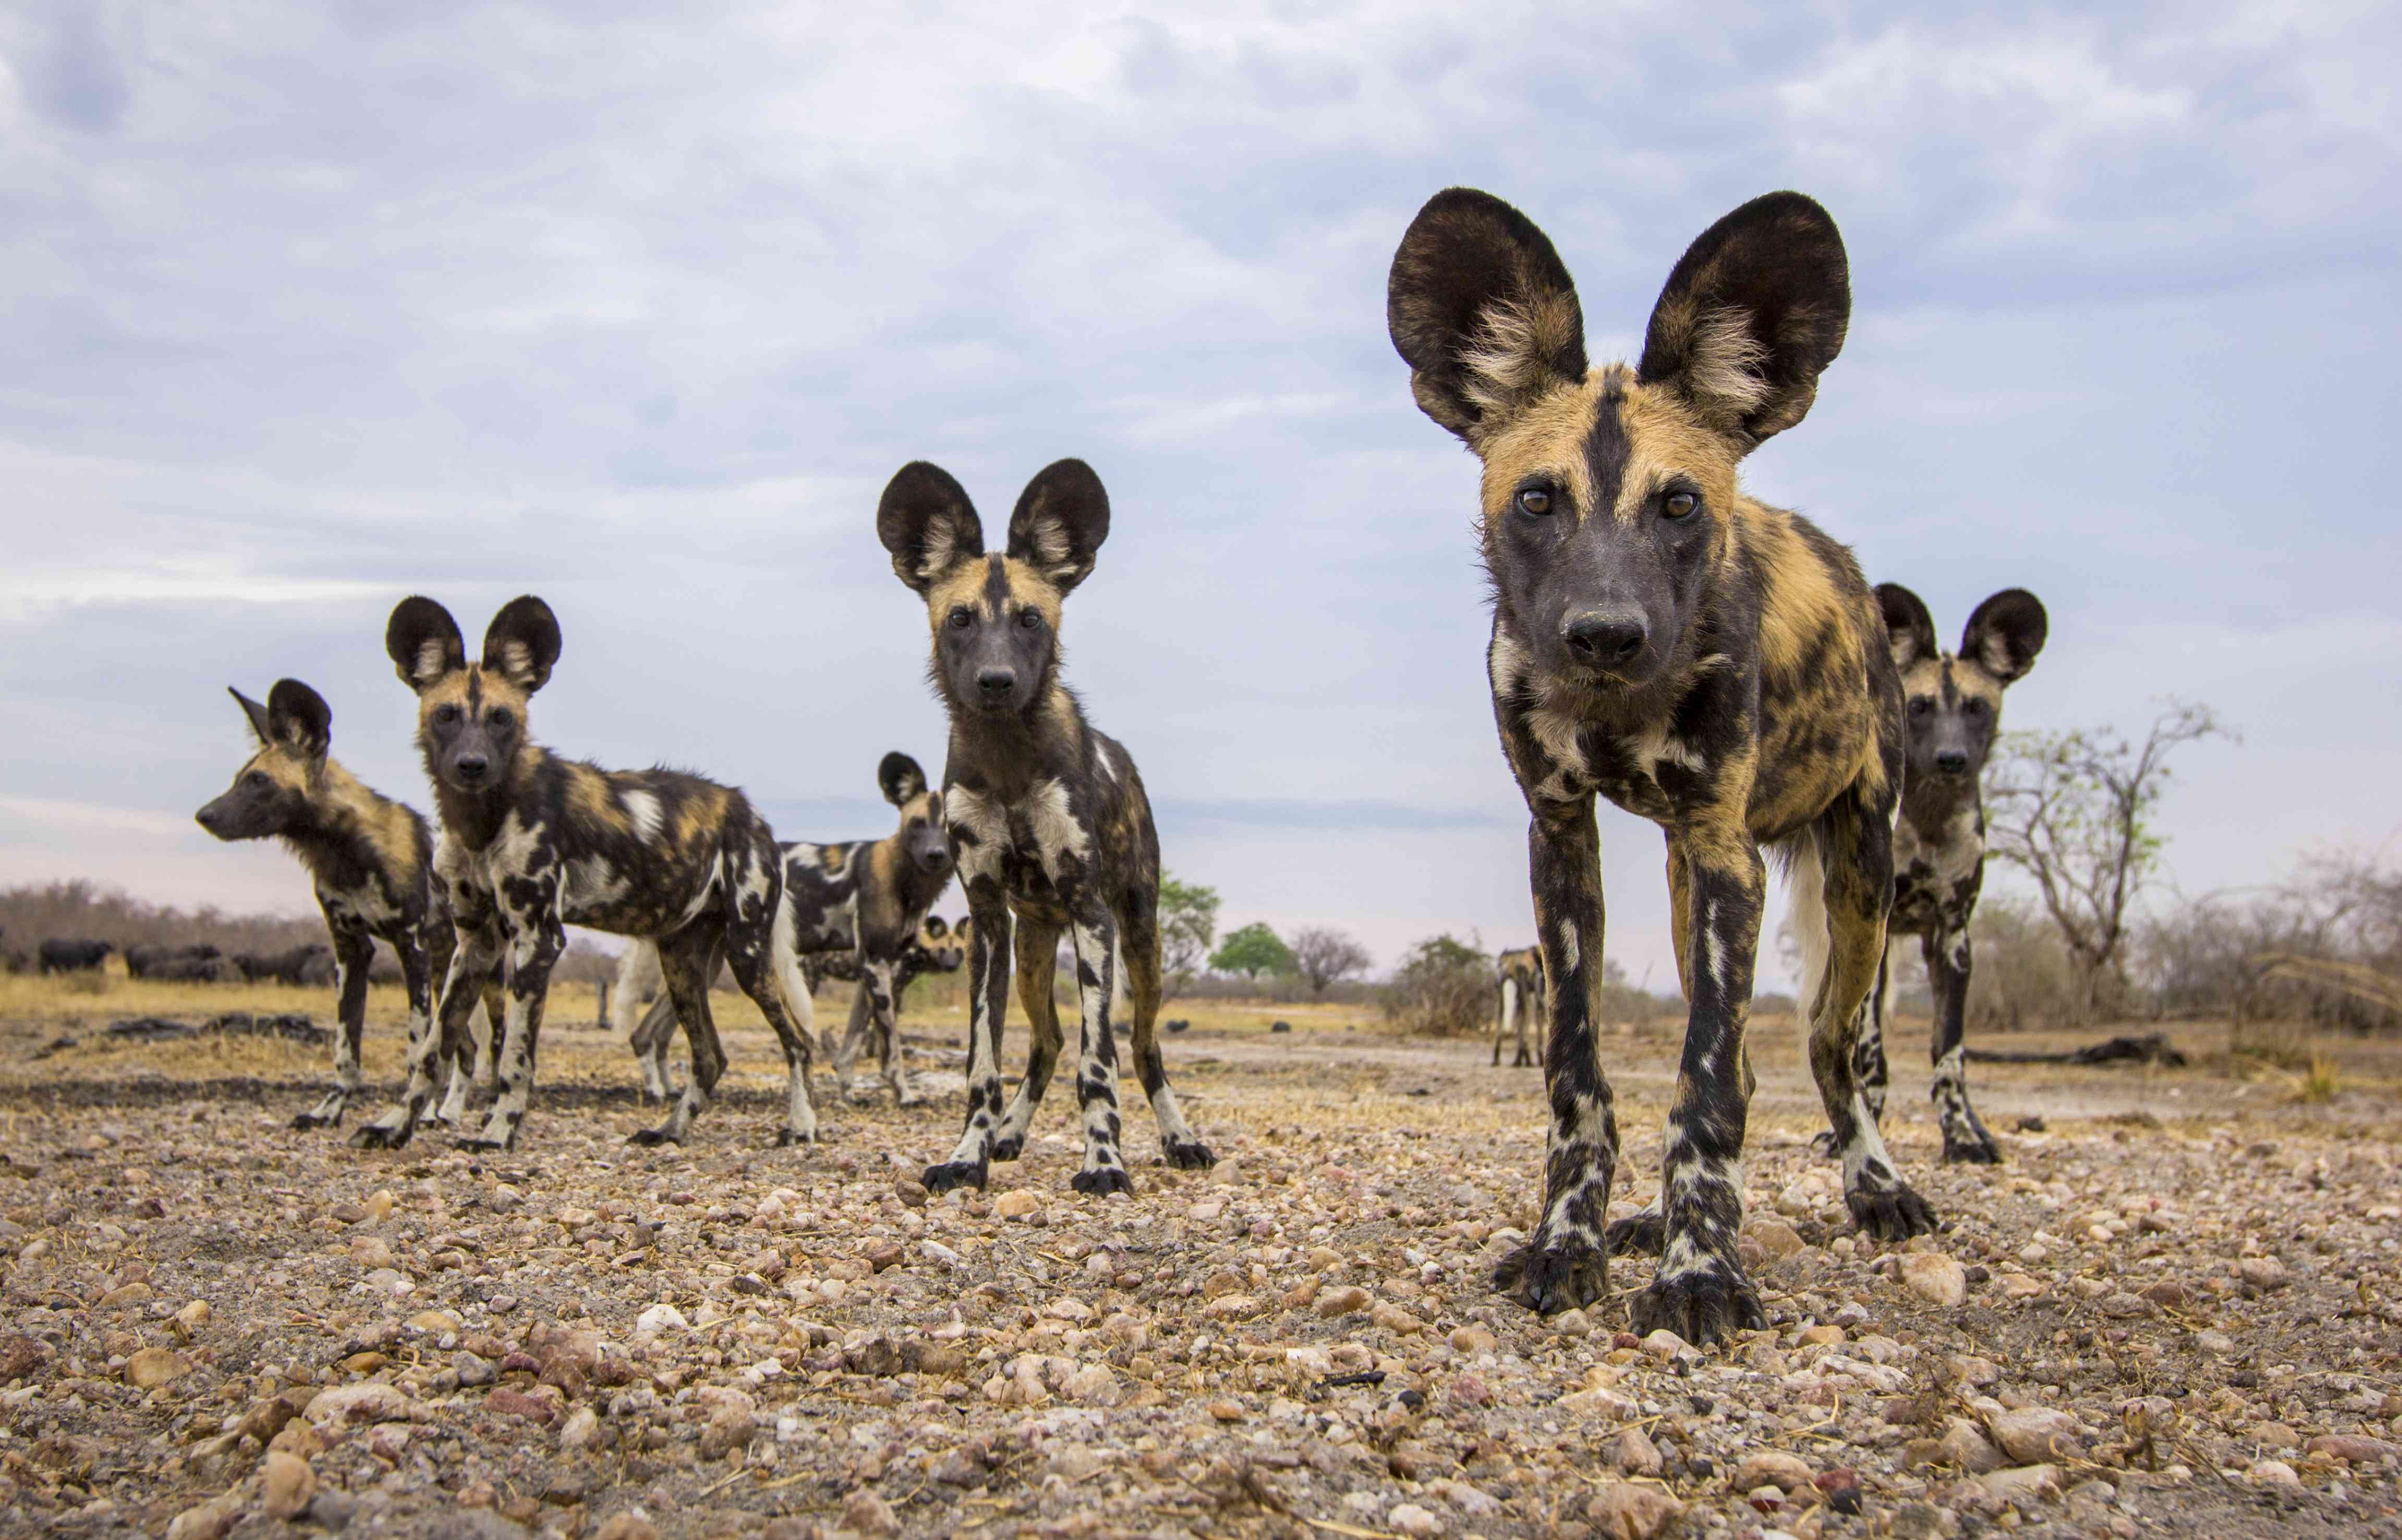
[(1804, 865), (785, 956)]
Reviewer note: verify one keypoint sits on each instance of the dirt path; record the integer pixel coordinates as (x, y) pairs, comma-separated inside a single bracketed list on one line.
[(585, 1338)]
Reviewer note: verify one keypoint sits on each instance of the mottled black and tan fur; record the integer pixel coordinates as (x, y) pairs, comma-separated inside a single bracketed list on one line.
[(1525, 1003), (533, 843), (370, 860), (1953, 711), (865, 900), (1699, 658), (1047, 816)]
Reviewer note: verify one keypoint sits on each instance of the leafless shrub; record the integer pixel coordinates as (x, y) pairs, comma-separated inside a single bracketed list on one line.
[(1443, 988)]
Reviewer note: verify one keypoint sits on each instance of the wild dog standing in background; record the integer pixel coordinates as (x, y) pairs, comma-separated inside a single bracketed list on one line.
[(864, 900), (371, 862), (1699, 658), (1953, 708), (1525, 1002), (532, 844), (1047, 816)]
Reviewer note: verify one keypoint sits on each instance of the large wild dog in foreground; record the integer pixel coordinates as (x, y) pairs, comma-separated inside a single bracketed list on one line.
[(863, 900), (1047, 816), (533, 843), (371, 862), (1699, 658), (1953, 708)]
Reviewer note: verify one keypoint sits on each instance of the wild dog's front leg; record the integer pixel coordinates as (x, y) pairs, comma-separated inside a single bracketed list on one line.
[(882, 991), (1858, 886), (1868, 1066), (854, 1042), (1036, 949), (536, 938), (1565, 1263), (477, 955), (1965, 1138), (353, 951), (1701, 1293), (1097, 1056), (970, 1162)]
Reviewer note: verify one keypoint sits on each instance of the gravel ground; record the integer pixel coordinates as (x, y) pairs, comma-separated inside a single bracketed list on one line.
[(2174, 1310)]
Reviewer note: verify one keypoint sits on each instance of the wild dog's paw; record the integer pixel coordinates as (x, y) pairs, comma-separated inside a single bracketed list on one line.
[(663, 1135), (1102, 1180), (1190, 1155), (1701, 1305), (789, 1137), (477, 1144), (1009, 1147), (1548, 1276), (381, 1137), (951, 1173), (1976, 1149), (315, 1119), (1892, 1213), (1646, 1232)]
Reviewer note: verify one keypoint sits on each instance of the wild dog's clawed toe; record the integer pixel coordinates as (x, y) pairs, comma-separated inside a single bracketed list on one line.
[(1009, 1147), (786, 1138), (1189, 1156), (951, 1173), (1553, 1275), (648, 1137), (1822, 1144), (1103, 1180), (1707, 1304), (1892, 1213), (478, 1145), (1978, 1149), (911, 1097), (1645, 1233), (313, 1120), (378, 1136)]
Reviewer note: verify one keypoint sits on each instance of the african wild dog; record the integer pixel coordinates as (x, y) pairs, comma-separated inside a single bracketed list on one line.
[(533, 843), (371, 863), (1952, 703), (864, 900), (1700, 659), (1523, 1000), (1048, 815)]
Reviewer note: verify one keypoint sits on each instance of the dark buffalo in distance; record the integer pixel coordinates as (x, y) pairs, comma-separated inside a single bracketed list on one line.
[(312, 964), (194, 970), (61, 955), (172, 962)]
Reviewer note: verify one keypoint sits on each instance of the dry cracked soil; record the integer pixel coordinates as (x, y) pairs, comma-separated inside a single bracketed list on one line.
[(2172, 1311)]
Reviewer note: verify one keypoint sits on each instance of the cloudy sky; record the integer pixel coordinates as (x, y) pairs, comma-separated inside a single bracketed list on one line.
[(637, 305)]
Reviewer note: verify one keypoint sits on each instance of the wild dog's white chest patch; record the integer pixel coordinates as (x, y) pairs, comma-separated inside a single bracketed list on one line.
[(1051, 821), (1658, 746), (988, 830), (1556, 731)]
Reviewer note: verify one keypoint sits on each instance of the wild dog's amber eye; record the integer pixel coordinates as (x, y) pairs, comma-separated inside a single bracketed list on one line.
[(1535, 499), (257, 777), (1920, 706), (1680, 504), (960, 617), (445, 714), (500, 717), (1030, 619), (1976, 707)]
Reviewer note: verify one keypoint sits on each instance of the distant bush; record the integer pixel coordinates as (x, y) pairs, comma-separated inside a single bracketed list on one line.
[(1444, 987)]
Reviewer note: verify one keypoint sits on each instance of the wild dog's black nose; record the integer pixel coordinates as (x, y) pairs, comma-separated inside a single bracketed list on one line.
[(470, 767), (1951, 762), (995, 683), (1607, 637), (206, 817)]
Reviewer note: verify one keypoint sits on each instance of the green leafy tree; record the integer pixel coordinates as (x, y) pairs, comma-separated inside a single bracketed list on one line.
[(1188, 923), (2075, 812), (1252, 950)]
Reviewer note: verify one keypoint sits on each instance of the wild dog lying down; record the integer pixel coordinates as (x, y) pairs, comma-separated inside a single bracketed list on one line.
[(371, 862), (1046, 814), (1952, 710), (1525, 1002), (533, 843), (864, 900), (1699, 658)]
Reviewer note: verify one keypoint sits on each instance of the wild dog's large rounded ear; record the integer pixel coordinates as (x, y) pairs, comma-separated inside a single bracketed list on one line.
[(522, 642), (423, 641), (1482, 310), (261, 726), (300, 716), (1750, 315), (899, 778), (2006, 633), (1908, 627), (927, 522), (1059, 523)]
